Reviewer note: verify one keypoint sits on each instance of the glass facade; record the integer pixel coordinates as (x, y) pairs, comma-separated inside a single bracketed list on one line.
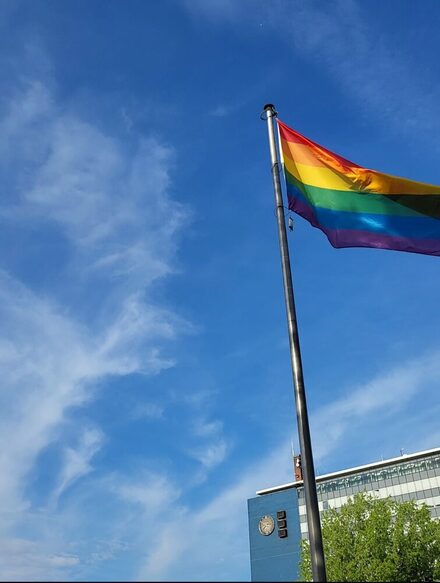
[(415, 479)]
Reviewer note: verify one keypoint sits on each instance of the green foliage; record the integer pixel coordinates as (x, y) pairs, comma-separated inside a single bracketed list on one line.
[(371, 539)]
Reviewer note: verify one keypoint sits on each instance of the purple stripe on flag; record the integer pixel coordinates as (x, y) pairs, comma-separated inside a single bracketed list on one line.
[(348, 238)]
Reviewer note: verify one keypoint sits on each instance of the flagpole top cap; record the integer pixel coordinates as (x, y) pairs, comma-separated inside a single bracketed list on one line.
[(270, 107)]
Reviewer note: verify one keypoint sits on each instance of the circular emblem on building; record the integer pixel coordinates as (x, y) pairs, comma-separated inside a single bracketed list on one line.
[(266, 525)]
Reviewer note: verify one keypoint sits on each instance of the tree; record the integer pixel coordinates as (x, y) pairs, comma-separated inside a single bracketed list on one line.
[(371, 539)]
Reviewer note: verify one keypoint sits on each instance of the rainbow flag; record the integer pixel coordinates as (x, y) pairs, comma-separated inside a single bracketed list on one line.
[(355, 206)]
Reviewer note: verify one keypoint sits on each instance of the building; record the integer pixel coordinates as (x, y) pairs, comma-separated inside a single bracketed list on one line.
[(274, 542), (275, 537)]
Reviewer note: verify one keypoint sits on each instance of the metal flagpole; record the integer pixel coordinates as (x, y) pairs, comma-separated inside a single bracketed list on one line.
[(313, 521)]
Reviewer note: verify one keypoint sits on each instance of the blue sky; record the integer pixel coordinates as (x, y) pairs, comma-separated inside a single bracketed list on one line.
[(146, 389)]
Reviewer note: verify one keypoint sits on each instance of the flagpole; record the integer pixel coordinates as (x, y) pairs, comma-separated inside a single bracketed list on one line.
[(311, 498)]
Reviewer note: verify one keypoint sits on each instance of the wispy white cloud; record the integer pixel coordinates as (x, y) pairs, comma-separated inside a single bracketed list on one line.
[(206, 428), (386, 394), (211, 543), (151, 492), (43, 378), (23, 560), (108, 200), (77, 461), (211, 454), (130, 330), (148, 411), (93, 187), (339, 38), (212, 447), (343, 40), (221, 111)]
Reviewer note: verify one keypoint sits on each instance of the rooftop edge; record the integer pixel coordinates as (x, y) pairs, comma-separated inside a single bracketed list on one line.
[(354, 470)]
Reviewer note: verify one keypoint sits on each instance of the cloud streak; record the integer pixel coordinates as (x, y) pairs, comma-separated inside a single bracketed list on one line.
[(210, 543), (92, 186), (106, 202), (343, 41), (384, 396), (77, 461)]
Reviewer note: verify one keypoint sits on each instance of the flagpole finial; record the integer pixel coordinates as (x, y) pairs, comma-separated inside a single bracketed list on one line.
[(271, 107), (269, 111)]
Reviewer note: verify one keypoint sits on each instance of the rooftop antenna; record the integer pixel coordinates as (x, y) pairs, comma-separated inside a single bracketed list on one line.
[(292, 451)]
